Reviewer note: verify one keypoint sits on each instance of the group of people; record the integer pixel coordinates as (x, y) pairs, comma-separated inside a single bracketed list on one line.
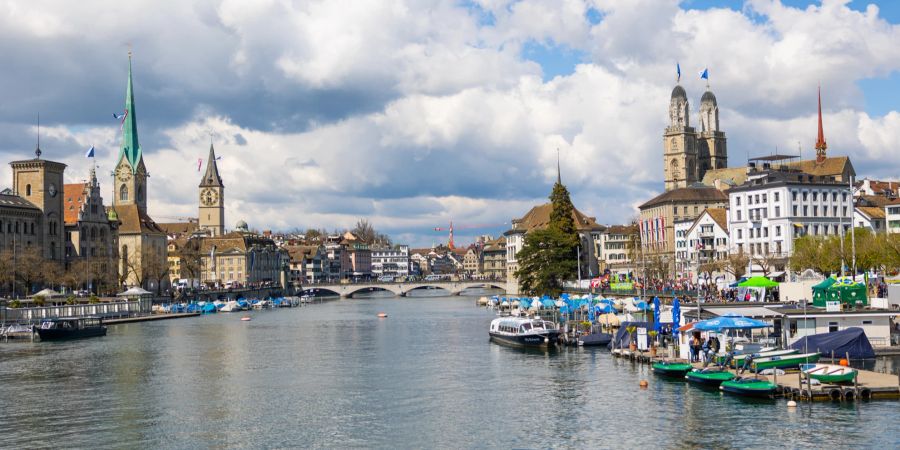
[(704, 351)]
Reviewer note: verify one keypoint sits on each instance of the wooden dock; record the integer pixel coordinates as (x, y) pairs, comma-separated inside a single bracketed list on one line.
[(794, 386), (166, 316)]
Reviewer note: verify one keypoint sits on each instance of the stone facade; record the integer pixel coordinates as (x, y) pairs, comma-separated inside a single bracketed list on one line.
[(688, 155), (40, 182), (92, 237)]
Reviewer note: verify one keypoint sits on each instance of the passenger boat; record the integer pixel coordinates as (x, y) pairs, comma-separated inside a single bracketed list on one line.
[(71, 328), (524, 332), (709, 377), (828, 373), (784, 361), (750, 387), (671, 369)]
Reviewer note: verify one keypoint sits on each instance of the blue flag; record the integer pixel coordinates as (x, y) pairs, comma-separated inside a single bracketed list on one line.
[(705, 74), (678, 70), (90, 153)]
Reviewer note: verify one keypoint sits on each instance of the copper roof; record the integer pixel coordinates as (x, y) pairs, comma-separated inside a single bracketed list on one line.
[(74, 196), (134, 221), (687, 194), (539, 218)]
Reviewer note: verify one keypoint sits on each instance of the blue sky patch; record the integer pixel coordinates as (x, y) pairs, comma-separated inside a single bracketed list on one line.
[(882, 94), (554, 59)]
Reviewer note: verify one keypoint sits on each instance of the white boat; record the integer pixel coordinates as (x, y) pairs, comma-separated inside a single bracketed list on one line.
[(524, 332), (230, 306)]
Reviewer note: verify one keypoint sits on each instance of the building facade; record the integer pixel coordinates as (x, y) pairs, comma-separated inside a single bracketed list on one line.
[(242, 257), (92, 238), (494, 259), (706, 246), (616, 249), (40, 182), (391, 262), (688, 155)]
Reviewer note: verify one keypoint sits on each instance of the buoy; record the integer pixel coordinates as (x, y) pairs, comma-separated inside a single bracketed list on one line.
[(644, 384), (245, 319), (792, 404), (844, 362), (382, 315)]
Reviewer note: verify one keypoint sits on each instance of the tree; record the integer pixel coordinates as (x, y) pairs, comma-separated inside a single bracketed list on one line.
[(549, 256), (364, 231), (709, 268), (52, 273), (7, 269), (155, 268), (767, 262), (819, 253), (29, 267), (736, 264), (190, 257)]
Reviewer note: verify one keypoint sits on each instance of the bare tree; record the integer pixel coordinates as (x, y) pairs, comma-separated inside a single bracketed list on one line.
[(768, 262), (736, 264), (29, 267)]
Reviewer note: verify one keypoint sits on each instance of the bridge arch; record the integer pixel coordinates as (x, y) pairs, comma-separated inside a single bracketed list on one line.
[(353, 289)]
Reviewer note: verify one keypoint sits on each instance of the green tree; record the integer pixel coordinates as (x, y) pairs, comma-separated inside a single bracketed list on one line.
[(819, 253), (549, 256)]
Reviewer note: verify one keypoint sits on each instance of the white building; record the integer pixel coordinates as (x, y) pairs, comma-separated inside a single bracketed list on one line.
[(775, 206), (682, 266), (871, 217), (892, 217), (391, 262), (707, 241), (615, 247)]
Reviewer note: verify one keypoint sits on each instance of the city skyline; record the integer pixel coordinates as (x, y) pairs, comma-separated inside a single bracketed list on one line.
[(461, 123)]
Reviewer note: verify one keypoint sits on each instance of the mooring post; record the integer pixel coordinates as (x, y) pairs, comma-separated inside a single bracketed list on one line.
[(800, 383), (856, 387)]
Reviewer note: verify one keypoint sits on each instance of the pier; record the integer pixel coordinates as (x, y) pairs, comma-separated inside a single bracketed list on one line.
[(794, 385)]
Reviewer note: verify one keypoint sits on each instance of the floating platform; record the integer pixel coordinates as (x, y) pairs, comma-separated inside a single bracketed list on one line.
[(165, 316)]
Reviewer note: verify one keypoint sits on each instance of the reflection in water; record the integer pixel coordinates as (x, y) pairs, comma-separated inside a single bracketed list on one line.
[(334, 375)]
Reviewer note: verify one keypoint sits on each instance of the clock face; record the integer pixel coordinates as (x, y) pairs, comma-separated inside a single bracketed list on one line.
[(209, 197), (123, 173), (51, 190)]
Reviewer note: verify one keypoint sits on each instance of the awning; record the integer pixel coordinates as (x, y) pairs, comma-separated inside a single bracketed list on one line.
[(750, 311), (687, 327)]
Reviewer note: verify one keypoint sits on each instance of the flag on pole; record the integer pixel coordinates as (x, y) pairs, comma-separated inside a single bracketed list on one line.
[(705, 74), (199, 163), (90, 152), (122, 117), (678, 70)]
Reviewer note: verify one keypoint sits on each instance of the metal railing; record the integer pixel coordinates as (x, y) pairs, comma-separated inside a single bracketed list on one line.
[(103, 309)]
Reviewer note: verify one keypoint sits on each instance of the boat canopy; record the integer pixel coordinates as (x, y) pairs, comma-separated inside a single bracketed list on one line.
[(758, 282), (852, 340)]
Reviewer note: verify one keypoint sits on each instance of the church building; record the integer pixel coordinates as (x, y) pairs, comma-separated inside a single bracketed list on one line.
[(142, 243)]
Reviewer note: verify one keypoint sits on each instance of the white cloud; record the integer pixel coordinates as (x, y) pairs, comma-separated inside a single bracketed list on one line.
[(414, 113)]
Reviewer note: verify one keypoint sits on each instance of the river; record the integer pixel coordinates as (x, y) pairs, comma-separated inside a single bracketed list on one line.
[(334, 375)]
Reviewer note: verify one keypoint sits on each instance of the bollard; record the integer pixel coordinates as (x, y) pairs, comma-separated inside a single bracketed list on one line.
[(832, 356), (856, 385)]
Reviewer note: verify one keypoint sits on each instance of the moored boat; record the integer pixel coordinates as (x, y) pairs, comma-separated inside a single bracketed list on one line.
[(524, 332), (595, 339), (671, 369), (784, 361), (738, 360), (71, 328), (230, 306), (709, 377), (750, 387), (829, 373)]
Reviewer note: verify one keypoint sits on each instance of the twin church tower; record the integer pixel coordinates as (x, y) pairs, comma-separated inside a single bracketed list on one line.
[(689, 154)]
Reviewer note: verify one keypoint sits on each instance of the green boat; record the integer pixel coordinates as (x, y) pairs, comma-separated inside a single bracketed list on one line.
[(671, 369), (709, 377), (784, 361), (749, 387), (738, 360), (829, 374)]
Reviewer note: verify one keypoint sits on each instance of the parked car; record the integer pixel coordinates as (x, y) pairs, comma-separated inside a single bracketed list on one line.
[(385, 279)]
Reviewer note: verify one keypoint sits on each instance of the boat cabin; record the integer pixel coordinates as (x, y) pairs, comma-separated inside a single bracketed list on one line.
[(521, 326), (71, 323)]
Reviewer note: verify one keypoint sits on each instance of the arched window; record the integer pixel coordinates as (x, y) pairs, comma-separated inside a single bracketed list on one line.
[(27, 189), (123, 193)]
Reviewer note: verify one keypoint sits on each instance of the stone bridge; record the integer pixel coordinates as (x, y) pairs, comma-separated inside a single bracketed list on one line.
[(346, 290)]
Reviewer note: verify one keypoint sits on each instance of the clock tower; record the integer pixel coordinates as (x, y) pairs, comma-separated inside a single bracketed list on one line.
[(212, 198)]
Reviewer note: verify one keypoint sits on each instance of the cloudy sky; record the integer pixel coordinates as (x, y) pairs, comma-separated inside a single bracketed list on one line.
[(415, 113)]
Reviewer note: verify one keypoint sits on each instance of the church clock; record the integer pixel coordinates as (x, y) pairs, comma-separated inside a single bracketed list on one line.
[(209, 197), (123, 173)]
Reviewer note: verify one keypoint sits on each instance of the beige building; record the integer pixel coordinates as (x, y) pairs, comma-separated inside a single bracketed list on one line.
[(243, 257), (92, 237), (494, 259), (142, 243), (472, 261), (40, 182), (616, 249)]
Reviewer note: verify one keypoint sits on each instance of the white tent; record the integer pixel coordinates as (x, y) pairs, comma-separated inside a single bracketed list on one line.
[(135, 291), (48, 293)]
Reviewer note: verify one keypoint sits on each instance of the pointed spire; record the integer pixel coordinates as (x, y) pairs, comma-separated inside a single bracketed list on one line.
[(558, 172), (130, 149), (211, 177), (821, 145)]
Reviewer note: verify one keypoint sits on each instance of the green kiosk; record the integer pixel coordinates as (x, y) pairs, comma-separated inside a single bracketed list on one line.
[(843, 290)]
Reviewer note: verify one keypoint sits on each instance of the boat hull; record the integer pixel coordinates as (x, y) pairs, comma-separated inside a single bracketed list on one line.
[(66, 334), (752, 388), (824, 375), (543, 340), (673, 370), (595, 340), (712, 379)]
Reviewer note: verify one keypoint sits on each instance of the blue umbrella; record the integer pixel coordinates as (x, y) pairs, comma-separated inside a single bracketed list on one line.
[(729, 322), (676, 315), (656, 325)]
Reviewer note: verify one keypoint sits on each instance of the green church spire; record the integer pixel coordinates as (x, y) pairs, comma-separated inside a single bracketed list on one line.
[(130, 149)]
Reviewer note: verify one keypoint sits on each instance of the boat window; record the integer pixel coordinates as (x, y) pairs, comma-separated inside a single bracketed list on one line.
[(522, 329), (526, 327)]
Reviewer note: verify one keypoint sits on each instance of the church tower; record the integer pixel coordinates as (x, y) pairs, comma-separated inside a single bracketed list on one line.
[(212, 198), (821, 145), (131, 173), (41, 182), (680, 144), (712, 153)]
